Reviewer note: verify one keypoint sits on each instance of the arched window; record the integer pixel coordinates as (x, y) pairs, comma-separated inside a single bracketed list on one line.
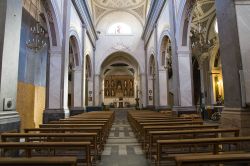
[(119, 29)]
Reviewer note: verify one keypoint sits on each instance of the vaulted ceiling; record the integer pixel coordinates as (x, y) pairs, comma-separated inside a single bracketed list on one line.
[(136, 7)]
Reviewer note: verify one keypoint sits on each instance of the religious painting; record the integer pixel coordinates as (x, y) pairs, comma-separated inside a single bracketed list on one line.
[(125, 83), (112, 83), (107, 83), (120, 86)]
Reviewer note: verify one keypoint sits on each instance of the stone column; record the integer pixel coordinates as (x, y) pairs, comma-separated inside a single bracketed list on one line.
[(175, 67), (10, 30), (146, 77), (185, 78), (77, 92), (84, 34), (58, 76), (91, 91), (53, 90), (163, 92), (96, 93), (232, 50), (94, 103), (143, 90), (77, 75), (150, 92), (101, 90)]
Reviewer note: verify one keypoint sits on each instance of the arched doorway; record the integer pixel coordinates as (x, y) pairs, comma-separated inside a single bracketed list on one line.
[(167, 76), (200, 33), (196, 82), (120, 81), (217, 93), (72, 67)]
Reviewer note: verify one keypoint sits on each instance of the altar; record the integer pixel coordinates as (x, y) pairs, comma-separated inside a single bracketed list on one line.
[(119, 91)]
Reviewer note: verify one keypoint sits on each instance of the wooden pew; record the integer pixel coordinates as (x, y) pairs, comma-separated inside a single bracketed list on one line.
[(191, 134), (107, 120), (214, 142), (29, 146), (138, 126), (212, 159), (105, 123), (139, 129), (146, 129), (98, 130), (105, 130), (55, 137), (38, 161)]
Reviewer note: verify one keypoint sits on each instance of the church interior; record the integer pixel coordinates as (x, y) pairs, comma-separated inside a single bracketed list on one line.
[(124, 82)]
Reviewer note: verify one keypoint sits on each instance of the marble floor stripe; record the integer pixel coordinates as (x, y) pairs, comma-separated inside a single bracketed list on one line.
[(122, 148), (107, 151), (138, 150), (121, 134), (111, 134)]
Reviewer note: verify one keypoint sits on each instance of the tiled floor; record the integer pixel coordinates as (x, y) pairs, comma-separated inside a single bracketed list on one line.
[(122, 148)]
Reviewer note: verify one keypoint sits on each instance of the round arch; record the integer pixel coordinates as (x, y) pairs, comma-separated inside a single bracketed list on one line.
[(111, 53), (75, 42), (52, 21), (183, 22), (164, 34), (120, 80)]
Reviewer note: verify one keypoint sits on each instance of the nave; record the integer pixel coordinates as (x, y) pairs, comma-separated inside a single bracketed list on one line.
[(122, 148), (126, 138)]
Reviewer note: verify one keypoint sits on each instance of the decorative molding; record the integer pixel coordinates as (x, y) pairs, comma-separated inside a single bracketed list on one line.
[(98, 11), (242, 2), (119, 4), (152, 18), (83, 12), (140, 11)]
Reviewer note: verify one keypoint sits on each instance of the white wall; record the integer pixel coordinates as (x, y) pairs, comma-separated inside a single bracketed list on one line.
[(90, 52), (243, 20), (108, 44)]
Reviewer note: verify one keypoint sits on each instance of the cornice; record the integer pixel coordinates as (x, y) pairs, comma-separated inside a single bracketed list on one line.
[(83, 11), (152, 18)]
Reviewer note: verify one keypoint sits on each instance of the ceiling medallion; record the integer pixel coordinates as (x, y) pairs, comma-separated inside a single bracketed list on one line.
[(119, 4)]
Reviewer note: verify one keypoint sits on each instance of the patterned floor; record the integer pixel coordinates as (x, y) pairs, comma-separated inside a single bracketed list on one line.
[(122, 148)]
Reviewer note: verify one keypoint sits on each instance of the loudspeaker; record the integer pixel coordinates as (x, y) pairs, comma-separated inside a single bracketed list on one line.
[(8, 104)]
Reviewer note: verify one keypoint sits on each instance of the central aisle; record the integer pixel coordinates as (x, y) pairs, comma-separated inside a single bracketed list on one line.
[(122, 148)]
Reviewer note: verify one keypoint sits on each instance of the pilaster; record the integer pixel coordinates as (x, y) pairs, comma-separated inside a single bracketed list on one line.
[(10, 30)]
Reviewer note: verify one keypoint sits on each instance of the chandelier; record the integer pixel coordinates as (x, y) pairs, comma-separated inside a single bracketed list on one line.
[(198, 33), (38, 32)]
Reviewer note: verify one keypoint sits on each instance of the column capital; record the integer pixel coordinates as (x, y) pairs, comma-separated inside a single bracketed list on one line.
[(242, 2), (184, 52), (77, 69), (55, 52), (162, 69), (142, 74)]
